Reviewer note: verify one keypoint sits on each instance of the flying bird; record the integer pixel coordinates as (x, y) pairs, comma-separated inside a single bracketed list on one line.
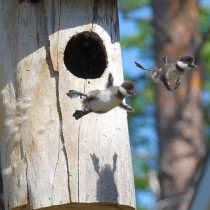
[(167, 73), (102, 101)]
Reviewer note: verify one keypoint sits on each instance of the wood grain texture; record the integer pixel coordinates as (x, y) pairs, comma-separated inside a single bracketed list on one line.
[(48, 158)]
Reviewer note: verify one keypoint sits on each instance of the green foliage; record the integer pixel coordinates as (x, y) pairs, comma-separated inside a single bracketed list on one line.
[(205, 55), (141, 182), (139, 208), (129, 5), (204, 27), (204, 20), (142, 40), (141, 169)]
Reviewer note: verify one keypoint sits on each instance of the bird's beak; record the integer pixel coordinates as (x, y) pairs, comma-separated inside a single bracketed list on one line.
[(192, 65), (132, 93)]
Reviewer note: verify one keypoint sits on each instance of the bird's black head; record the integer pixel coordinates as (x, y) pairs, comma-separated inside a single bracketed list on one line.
[(127, 88), (186, 62)]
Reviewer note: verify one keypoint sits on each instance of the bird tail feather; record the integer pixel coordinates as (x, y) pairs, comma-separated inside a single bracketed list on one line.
[(74, 94), (141, 67)]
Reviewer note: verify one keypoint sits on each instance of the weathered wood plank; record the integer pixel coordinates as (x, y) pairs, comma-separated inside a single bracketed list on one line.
[(49, 158)]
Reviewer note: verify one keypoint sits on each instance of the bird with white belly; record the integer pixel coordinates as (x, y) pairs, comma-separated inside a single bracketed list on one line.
[(102, 101), (167, 73)]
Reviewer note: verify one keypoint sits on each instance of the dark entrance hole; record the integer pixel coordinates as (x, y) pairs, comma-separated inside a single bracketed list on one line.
[(85, 56)]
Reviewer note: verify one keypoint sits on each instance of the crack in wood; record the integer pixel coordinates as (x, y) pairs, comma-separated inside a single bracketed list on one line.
[(96, 4), (50, 65), (62, 136), (55, 173), (59, 24), (67, 162), (27, 185), (78, 158)]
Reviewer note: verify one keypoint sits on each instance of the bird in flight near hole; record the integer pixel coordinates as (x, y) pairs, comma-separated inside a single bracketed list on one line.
[(168, 73), (102, 101)]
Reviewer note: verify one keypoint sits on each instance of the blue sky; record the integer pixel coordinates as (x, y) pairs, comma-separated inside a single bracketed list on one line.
[(145, 198), (132, 54)]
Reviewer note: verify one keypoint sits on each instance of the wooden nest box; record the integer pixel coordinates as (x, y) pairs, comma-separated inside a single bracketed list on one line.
[(49, 160)]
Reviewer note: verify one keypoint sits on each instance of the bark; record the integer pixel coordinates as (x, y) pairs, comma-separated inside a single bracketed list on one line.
[(48, 158), (179, 113)]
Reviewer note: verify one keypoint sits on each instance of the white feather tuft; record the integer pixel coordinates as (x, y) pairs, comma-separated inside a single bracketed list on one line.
[(183, 65), (123, 91)]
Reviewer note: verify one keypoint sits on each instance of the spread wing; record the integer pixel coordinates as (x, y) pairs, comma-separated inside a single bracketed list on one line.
[(164, 61), (110, 81)]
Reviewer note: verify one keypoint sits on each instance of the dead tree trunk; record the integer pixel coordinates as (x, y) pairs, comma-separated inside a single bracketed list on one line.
[(48, 158), (179, 115)]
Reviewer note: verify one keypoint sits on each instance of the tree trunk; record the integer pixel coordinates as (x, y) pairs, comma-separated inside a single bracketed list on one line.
[(179, 113), (48, 158)]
